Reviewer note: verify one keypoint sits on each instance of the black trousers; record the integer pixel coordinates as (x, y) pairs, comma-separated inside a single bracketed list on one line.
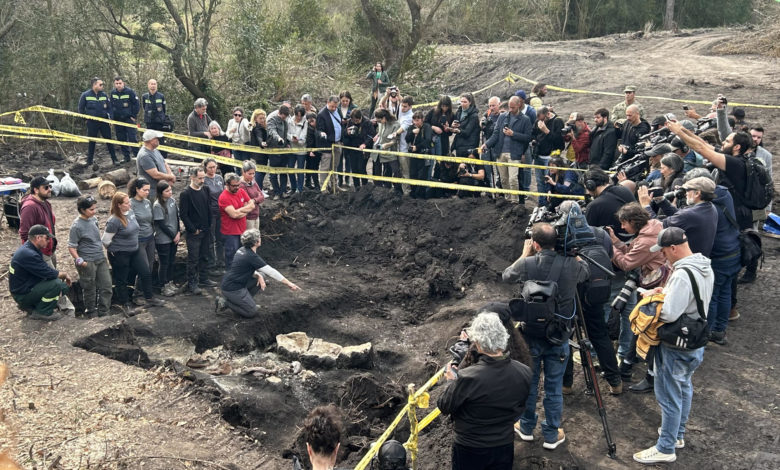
[(356, 162), (197, 257), (167, 255), (278, 181), (93, 129), (599, 337), (392, 169), (260, 159), (126, 134), (418, 171), (486, 458), (313, 163), (125, 265)]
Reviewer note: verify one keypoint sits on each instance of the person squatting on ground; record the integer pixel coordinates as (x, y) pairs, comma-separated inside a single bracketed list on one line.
[(121, 239), (36, 210), (85, 247), (166, 236), (196, 215), (95, 102), (539, 262), (34, 285), (484, 399), (234, 205), (246, 276), (674, 366)]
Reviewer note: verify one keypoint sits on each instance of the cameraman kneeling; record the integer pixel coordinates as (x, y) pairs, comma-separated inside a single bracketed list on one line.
[(484, 399), (540, 262)]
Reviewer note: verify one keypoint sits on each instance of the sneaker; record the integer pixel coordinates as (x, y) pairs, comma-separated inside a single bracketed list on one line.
[(275, 198), (219, 304), (265, 194), (43, 317), (615, 389), (138, 301), (718, 337), (747, 278), (155, 302), (734, 314), (128, 310), (553, 445), (169, 290), (207, 283), (519, 432), (678, 444), (194, 290), (652, 455), (645, 386)]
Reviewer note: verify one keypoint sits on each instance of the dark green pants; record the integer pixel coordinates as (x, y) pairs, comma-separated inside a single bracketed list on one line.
[(43, 296)]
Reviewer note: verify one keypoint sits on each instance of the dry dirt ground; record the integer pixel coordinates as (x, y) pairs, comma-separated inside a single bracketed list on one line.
[(400, 273)]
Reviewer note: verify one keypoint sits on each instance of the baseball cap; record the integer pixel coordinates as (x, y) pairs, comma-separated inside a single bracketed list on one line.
[(521, 94), (38, 181), (677, 144), (688, 124), (629, 88), (701, 183), (669, 236), (659, 149), (152, 134), (39, 230), (738, 113)]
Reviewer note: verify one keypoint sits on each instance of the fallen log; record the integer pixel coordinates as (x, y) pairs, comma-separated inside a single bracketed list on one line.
[(106, 189), (90, 183), (119, 177)]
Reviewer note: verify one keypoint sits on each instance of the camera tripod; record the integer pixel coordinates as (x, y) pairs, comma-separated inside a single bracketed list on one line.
[(584, 345)]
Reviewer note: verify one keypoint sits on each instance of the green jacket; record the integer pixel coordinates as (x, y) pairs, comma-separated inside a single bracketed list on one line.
[(376, 86)]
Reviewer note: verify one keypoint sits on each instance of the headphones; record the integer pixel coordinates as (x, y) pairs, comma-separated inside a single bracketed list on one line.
[(590, 185), (594, 178)]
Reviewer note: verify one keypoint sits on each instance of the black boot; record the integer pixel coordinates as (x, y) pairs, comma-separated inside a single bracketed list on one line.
[(645, 386)]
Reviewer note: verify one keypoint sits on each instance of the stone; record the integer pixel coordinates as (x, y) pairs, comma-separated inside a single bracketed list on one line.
[(274, 380), (292, 345), (321, 354), (325, 251), (356, 357)]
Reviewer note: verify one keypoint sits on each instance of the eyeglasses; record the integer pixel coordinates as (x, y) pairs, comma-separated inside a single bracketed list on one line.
[(233, 185), (46, 186), (237, 114)]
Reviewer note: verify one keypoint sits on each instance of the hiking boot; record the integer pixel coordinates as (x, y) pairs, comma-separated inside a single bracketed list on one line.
[(553, 445), (519, 431), (747, 278), (169, 289), (128, 310), (718, 337), (194, 290), (678, 444), (138, 301), (155, 302), (615, 389), (43, 317), (645, 386), (653, 455), (275, 198), (207, 283), (626, 370), (566, 390), (734, 314)]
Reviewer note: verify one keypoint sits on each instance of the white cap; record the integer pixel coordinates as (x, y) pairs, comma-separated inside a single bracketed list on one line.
[(152, 134)]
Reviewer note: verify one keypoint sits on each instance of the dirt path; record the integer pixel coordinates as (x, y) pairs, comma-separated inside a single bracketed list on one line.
[(402, 274)]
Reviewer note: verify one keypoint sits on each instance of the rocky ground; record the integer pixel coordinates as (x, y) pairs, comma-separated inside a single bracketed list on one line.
[(182, 387)]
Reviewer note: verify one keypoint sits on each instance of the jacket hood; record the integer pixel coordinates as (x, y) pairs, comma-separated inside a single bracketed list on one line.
[(697, 262), (721, 195)]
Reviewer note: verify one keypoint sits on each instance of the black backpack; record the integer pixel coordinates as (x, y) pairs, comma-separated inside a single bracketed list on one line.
[(759, 189), (599, 287), (537, 307)]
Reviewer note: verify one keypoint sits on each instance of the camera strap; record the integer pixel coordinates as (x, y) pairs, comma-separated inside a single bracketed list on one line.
[(552, 275)]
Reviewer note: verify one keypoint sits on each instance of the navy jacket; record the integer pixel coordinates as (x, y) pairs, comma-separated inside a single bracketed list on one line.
[(727, 236), (28, 269), (325, 124), (699, 221), (125, 104), (519, 140), (95, 104), (154, 108)]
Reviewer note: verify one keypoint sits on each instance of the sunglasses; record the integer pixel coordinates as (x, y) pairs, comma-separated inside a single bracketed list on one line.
[(237, 114), (45, 186)]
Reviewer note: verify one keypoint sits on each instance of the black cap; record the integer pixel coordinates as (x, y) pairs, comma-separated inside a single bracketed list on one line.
[(38, 181), (36, 230), (659, 149), (738, 113), (668, 237)]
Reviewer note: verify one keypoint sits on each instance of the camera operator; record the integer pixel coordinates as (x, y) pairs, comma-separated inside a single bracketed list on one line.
[(577, 134), (466, 126), (547, 137), (539, 261), (419, 140), (471, 175), (561, 181), (359, 133), (632, 129), (488, 126), (509, 141), (484, 399), (607, 199), (674, 366), (603, 140), (654, 156)]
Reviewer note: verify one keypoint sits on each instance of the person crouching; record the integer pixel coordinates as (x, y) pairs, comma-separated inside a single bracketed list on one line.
[(245, 276)]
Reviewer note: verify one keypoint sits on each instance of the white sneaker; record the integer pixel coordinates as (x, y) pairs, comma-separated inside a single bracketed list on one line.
[(653, 455), (525, 437), (265, 194), (553, 445), (678, 444)]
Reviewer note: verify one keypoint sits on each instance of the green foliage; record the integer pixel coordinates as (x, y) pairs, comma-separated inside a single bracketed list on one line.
[(308, 18)]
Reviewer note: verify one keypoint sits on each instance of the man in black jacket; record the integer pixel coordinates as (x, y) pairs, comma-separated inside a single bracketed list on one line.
[(632, 130), (547, 138), (359, 133), (484, 398), (195, 213), (603, 140), (328, 132)]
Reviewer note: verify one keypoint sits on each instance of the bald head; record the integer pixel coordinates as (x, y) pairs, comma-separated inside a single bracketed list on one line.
[(514, 104), (632, 114)]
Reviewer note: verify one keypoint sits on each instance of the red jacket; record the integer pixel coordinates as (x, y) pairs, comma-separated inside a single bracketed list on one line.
[(581, 146), (34, 212)]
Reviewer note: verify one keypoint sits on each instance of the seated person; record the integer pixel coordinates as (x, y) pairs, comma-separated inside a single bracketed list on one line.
[(443, 172), (561, 181), (245, 276), (34, 285)]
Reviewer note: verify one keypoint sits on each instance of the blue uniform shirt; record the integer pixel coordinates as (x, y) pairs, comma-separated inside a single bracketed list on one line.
[(95, 104)]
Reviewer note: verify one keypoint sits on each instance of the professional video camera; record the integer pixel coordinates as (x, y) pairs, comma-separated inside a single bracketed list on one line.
[(705, 124), (571, 228)]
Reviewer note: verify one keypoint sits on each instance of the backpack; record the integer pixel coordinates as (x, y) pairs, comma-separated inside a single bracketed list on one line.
[(537, 307), (759, 189), (599, 286)]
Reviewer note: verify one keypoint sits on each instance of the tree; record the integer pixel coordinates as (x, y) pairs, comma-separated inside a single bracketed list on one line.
[(669, 15), (7, 18), (397, 41), (183, 29)]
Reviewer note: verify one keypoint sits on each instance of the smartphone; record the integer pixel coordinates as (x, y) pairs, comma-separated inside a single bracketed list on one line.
[(686, 107)]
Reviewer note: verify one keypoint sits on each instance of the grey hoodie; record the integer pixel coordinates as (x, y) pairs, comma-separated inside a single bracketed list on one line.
[(679, 292)]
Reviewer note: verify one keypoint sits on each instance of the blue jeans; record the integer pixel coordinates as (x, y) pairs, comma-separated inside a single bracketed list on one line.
[(553, 359), (232, 244), (674, 391), (541, 185), (624, 340), (490, 156), (720, 305), (296, 180)]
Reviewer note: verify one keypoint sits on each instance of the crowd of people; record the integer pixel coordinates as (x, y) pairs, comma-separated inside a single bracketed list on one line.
[(675, 228)]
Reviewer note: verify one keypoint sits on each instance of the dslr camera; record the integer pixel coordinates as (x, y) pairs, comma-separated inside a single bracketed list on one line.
[(352, 130)]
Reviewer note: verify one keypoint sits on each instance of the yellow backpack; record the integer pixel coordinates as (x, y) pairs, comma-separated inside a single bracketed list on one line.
[(645, 321)]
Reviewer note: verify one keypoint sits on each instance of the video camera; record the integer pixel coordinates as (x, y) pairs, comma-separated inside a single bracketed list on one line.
[(571, 229), (636, 167)]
